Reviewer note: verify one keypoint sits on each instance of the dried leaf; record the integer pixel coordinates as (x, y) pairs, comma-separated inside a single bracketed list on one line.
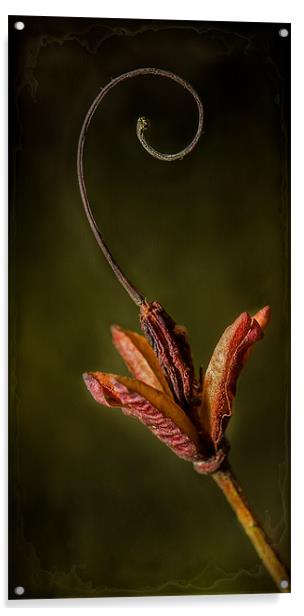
[(219, 386), (140, 358), (153, 408), (170, 345)]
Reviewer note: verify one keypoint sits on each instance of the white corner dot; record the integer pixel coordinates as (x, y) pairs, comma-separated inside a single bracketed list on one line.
[(19, 25), (283, 32), (19, 590), (284, 584)]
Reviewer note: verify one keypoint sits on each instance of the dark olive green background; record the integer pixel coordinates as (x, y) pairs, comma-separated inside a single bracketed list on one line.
[(98, 506)]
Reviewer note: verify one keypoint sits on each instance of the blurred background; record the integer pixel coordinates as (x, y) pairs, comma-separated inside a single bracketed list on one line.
[(98, 506)]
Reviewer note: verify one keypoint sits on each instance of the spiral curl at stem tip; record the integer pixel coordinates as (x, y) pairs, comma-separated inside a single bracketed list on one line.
[(141, 127)]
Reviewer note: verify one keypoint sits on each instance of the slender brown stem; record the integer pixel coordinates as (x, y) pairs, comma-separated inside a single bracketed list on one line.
[(142, 125), (228, 483)]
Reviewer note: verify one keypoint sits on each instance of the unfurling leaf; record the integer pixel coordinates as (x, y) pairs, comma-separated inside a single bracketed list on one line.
[(219, 386), (152, 407)]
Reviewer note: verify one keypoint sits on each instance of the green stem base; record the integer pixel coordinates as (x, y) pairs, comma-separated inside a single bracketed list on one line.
[(229, 485)]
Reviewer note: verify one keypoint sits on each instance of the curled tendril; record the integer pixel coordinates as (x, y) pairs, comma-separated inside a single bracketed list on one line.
[(142, 125)]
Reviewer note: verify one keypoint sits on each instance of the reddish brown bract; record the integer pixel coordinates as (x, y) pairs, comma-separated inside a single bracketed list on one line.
[(171, 347)]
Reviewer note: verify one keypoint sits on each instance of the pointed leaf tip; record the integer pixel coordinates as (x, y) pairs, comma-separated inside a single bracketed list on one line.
[(101, 389), (263, 316)]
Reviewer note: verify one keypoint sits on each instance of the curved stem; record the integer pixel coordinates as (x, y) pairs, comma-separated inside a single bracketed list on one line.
[(142, 125), (229, 485)]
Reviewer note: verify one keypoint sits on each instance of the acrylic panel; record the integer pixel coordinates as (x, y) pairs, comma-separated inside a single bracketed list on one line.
[(186, 491)]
